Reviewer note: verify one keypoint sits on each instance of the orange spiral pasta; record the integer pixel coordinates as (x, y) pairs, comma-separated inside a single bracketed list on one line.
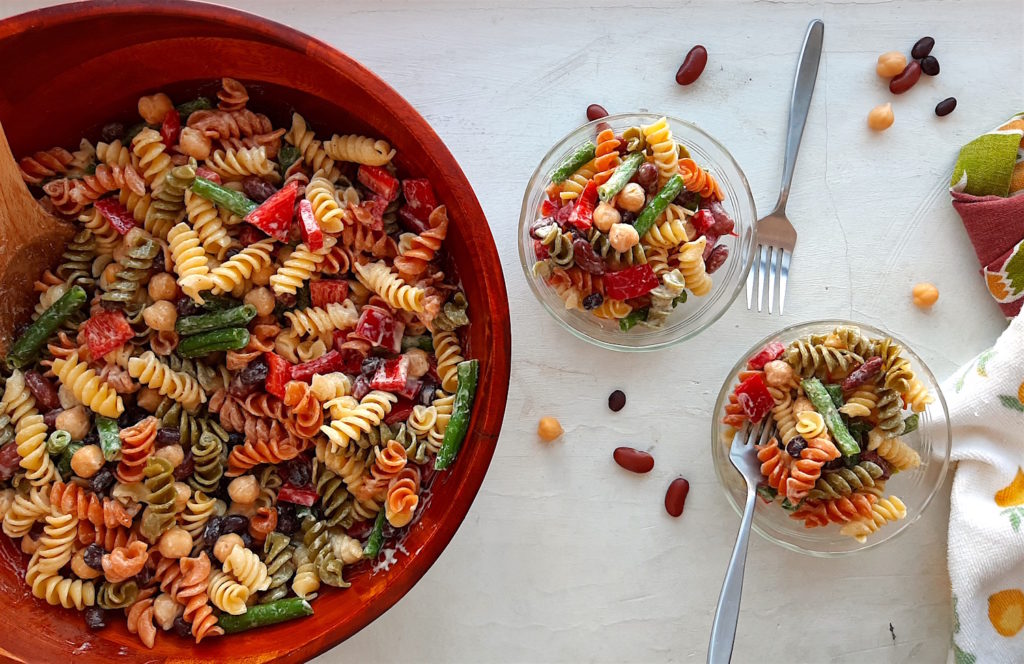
[(230, 124), (106, 538), (699, 180), (42, 165), (412, 262), (583, 282), (774, 464), (140, 618), (167, 573), (124, 562), (606, 156), (232, 95), (88, 507), (305, 408), (361, 239), (192, 593), (837, 510), (337, 261), (402, 497), (804, 472), (262, 523), (388, 462), (106, 179), (137, 443), (261, 340), (265, 442)]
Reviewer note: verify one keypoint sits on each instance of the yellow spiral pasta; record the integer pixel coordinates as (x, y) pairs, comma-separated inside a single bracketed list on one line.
[(190, 261), (893, 450), (359, 149), (666, 158), (313, 155), (30, 437), (691, 264), (299, 267), (234, 164), (810, 424), (444, 406), (782, 413), (197, 513), (154, 162), (379, 278), (612, 309), (861, 402), (208, 224), (657, 258), (882, 512), (670, 231), (55, 548), (323, 321), (918, 396), (227, 594), (60, 591), (359, 420), (183, 388), (232, 276), (573, 186), (87, 386), (246, 567), (422, 420), (114, 153), (449, 354), (305, 583), (56, 543), (327, 210), (330, 386), (107, 239), (26, 510)]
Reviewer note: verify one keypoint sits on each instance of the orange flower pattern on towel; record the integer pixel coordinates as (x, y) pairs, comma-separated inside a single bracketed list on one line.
[(1006, 611)]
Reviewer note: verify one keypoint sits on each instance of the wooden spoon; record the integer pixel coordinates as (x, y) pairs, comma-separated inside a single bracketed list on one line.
[(31, 240)]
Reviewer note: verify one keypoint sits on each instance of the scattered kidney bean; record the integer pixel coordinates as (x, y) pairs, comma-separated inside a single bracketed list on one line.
[(945, 107), (693, 65), (617, 400), (596, 111), (647, 175), (906, 79), (586, 257), (930, 65), (922, 48), (716, 258), (257, 188), (675, 497), (42, 389), (862, 374), (633, 460)]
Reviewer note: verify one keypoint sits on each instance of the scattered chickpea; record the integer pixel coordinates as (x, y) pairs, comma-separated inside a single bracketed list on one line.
[(925, 295), (606, 216), (80, 569), (153, 108), (244, 490), (881, 117), (890, 64), (161, 316), (75, 421), (183, 493), (419, 365), (623, 237), (549, 428), (148, 399), (163, 287), (175, 543), (632, 197), (193, 143), (87, 461), (262, 299), (225, 545), (172, 453)]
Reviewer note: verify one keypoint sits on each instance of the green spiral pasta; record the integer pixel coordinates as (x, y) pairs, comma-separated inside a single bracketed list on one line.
[(208, 460), (634, 139), (76, 263), (844, 481), (135, 267), (890, 411), (559, 245), (119, 595), (335, 499), (809, 359), (169, 200), (318, 543), (161, 495), (278, 557)]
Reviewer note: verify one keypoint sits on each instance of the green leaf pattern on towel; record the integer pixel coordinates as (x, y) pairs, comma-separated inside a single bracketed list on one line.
[(1011, 402), (1013, 270), (980, 365), (961, 657), (1016, 515)]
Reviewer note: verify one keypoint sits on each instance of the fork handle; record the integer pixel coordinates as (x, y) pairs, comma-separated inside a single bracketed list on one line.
[(723, 631), (800, 104)]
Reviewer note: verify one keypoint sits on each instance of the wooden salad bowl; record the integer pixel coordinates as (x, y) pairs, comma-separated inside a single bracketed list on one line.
[(74, 67)]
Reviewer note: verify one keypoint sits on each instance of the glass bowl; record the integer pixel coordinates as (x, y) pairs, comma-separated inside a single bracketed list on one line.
[(915, 488), (689, 318)]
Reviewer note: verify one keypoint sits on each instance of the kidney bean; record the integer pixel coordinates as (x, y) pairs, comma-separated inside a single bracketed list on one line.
[(945, 107), (603, 126), (539, 224), (586, 257), (922, 47), (693, 65), (716, 258), (50, 417), (675, 497), (617, 400), (712, 242), (257, 189), (930, 65), (235, 523), (633, 460), (596, 111), (42, 389), (862, 374), (906, 79), (168, 435)]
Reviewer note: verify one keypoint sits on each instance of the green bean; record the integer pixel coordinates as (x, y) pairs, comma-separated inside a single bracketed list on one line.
[(26, 349), (110, 437), (621, 176), (836, 392), (373, 543), (657, 204), (468, 372), (262, 615), (230, 200), (219, 302), (231, 338), (189, 107), (422, 341), (822, 403), (287, 155), (627, 322), (58, 441), (215, 320), (572, 162)]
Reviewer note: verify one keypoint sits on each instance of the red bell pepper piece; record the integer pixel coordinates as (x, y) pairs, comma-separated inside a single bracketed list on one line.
[(297, 495), (754, 397), (379, 181), (279, 372), (204, 172), (250, 235), (171, 127), (769, 353), (398, 331), (329, 362), (400, 412), (312, 235), (410, 221), (375, 325), (419, 197), (702, 221), (582, 215), (375, 206), (274, 215), (106, 331), (9, 461), (562, 216), (391, 375), (326, 291), (540, 250), (630, 282), (117, 215), (548, 208), (411, 389)]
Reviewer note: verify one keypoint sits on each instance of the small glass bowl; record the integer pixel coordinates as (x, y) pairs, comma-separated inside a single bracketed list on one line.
[(915, 488), (689, 318)]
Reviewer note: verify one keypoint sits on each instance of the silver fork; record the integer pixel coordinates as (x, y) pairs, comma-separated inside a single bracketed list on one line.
[(776, 236), (743, 456)]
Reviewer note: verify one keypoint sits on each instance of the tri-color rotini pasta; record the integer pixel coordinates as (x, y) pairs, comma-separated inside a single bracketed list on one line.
[(246, 383)]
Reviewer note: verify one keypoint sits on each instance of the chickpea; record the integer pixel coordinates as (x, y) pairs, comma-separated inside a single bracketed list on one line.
[(161, 316), (76, 421), (193, 143), (925, 295), (632, 197), (225, 545), (890, 64), (183, 493), (163, 287), (881, 117), (80, 569), (175, 543), (418, 363), (262, 299), (244, 490), (623, 237), (549, 428), (172, 453), (153, 108), (87, 461), (778, 373), (66, 397), (165, 610), (605, 216), (262, 276), (148, 399)]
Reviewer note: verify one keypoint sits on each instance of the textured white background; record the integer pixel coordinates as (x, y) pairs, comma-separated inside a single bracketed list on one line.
[(564, 557)]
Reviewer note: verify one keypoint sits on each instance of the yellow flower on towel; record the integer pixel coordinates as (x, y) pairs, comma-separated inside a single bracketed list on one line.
[(1013, 493), (1006, 611)]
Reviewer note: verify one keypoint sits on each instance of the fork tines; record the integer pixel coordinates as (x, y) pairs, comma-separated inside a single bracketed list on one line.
[(771, 265)]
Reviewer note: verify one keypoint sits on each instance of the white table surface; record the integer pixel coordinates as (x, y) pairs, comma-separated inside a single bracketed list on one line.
[(564, 557)]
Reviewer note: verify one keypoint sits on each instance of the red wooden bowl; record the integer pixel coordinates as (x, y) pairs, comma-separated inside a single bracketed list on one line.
[(72, 68)]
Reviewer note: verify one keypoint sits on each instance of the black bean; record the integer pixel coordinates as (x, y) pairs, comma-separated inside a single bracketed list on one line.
[(246, 539), (214, 529), (593, 301), (257, 189), (186, 466), (834, 464), (945, 107), (186, 307), (428, 390), (628, 217), (235, 523), (111, 132), (232, 252), (796, 446), (93, 557), (235, 438), (102, 480), (95, 618), (287, 522), (370, 366), (930, 65), (255, 373), (182, 628), (168, 435), (298, 472), (922, 48), (144, 577), (617, 400)]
